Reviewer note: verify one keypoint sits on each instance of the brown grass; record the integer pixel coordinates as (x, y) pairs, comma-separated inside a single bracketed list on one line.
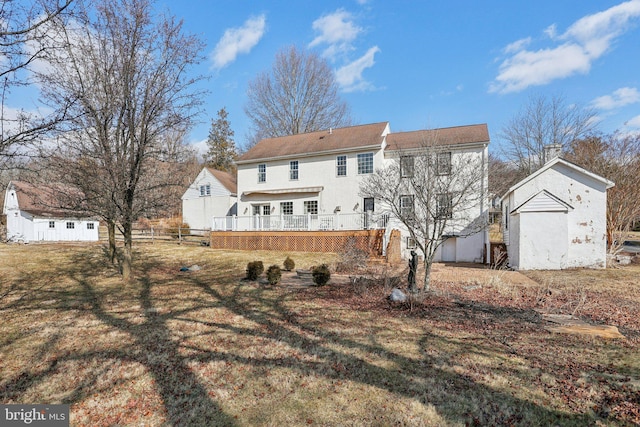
[(206, 348)]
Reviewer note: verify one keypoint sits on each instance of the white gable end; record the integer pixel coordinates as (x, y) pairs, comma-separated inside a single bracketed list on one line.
[(543, 202)]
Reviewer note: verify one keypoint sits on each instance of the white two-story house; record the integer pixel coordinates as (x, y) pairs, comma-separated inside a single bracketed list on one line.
[(312, 181)]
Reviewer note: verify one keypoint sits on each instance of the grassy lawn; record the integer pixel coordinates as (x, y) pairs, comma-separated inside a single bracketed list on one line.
[(205, 348)]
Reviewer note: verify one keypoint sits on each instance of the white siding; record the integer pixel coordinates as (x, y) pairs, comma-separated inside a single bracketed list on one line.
[(198, 211), (317, 171), (533, 242)]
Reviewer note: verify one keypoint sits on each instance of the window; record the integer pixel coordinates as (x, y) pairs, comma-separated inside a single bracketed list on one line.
[(205, 190), (262, 172), (341, 165), (406, 206), (90, 226), (444, 208), (71, 225), (443, 166), (369, 204), (311, 207), (293, 170), (52, 224), (286, 208), (365, 163), (411, 243), (406, 167)]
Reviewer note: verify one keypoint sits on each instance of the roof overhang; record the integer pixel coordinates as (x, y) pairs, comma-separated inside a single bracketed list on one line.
[(310, 190)]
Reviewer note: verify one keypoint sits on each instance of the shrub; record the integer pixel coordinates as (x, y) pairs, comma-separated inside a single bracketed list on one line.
[(289, 264), (274, 274), (321, 274), (254, 269), (351, 258)]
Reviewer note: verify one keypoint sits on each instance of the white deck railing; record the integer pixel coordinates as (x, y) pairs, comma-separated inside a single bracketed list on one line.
[(306, 222)]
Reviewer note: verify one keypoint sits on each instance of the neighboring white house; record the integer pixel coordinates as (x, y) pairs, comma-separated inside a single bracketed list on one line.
[(33, 214), (212, 194), (556, 218), (312, 181)]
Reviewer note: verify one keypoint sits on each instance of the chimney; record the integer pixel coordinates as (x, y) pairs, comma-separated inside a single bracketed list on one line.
[(330, 131), (551, 151)]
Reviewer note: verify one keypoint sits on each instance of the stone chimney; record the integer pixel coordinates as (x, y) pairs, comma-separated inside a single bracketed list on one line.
[(551, 151)]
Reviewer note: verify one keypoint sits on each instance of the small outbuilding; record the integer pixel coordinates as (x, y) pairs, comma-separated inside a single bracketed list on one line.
[(212, 194), (34, 213), (556, 218)]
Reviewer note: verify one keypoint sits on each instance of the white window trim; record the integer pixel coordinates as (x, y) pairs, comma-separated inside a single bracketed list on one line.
[(262, 176), (360, 155), (338, 165)]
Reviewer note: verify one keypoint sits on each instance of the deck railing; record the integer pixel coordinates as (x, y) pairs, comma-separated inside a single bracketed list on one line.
[(308, 222)]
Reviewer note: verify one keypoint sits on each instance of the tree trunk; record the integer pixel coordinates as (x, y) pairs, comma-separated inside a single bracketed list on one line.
[(127, 258), (111, 228), (426, 284)]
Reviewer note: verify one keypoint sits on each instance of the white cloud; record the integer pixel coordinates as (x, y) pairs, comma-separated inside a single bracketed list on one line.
[(634, 122), (517, 45), (585, 40), (238, 40), (551, 31), (619, 98), (200, 147), (337, 30), (350, 76)]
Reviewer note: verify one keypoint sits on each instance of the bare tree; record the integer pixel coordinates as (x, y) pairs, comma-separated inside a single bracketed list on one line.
[(541, 122), (298, 95), (617, 158), (435, 192), (22, 42), (222, 148), (126, 72), (502, 175)]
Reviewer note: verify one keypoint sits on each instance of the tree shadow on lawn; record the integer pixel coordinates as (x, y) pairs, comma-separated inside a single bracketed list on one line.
[(458, 399), (185, 399)]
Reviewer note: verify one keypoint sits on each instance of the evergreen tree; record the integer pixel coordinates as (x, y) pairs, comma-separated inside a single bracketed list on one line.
[(222, 148)]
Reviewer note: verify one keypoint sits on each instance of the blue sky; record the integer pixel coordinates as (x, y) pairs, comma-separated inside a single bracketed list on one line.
[(425, 64)]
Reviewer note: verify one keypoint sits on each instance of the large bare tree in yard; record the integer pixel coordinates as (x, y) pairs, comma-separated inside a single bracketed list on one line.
[(22, 43), (435, 192), (543, 121), (617, 158), (298, 95), (126, 72)]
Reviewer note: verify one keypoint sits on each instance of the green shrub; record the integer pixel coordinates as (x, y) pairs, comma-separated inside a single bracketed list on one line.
[(254, 270), (289, 264), (321, 274), (274, 274)]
